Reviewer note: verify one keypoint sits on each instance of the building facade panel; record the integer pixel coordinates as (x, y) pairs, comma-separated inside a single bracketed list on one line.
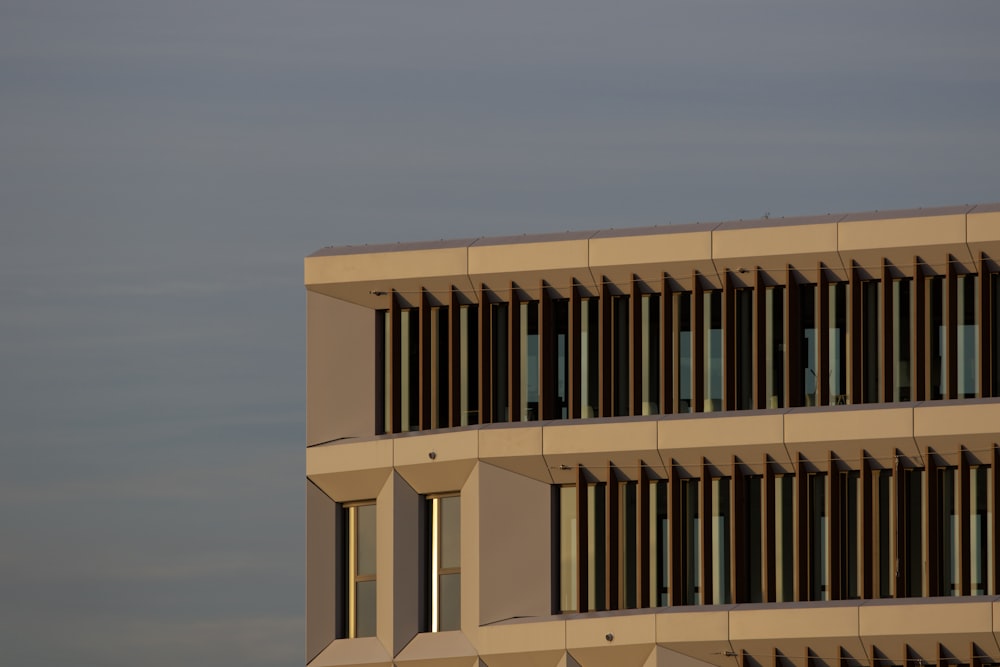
[(748, 443)]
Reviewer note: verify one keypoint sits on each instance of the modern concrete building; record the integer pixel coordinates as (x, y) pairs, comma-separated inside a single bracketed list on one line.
[(769, 442)]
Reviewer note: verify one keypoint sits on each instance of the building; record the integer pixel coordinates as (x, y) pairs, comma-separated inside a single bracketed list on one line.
[(771, 442)]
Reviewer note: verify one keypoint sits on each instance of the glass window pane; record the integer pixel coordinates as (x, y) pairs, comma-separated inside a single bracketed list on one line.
[(450, 532), (839, 343), (683, 304), (561, 363), (364, 618), (365, 531), (589, 354), (650, 361), (621, 376), (809, 350), (596, 546), (754, 564), (720, 540), (567, 549), (450, 602), (744, 349), (774, 351), (468, 370), (967, 338), (499, 367), (713, 351), (529, 361), (901, 339), (979, 521)]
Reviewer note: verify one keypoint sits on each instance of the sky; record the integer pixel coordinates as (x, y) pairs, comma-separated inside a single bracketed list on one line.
[(165, 166)]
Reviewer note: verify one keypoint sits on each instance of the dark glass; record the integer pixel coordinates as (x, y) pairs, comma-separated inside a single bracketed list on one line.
[(754, 544), (501, 411), (560, 365), (744, 349), (870, 348), (620, 355), (682, 302), (808, 342), (936, 339), (690, 547)]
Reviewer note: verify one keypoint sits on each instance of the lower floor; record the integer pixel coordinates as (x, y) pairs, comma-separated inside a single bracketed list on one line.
[(879, 633)]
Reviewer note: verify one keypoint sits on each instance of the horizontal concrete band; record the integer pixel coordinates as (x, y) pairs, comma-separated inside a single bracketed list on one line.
[(899, 631), (550, 452), (365, 274)]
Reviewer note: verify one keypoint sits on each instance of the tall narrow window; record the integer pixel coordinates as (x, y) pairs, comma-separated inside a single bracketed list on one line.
[(409, 381), (784, 538), (808, 344), (561, 364), (468, 371), (445, 563), (498, 336), (870, 348), (627, 543), (682, 303), (980, 531), (937, 339), (621, 377), (774, 350), (721, 557), (529, 361), (439, 367), (885, 528), (690, 547), (849, 532), (818, 537), (589, 355), (568, 561), (901, 363), (361, 569), (713, 350), (967, 337), (752, 486), (839, 343), (596, 547), (911, 548), (659, 544), (949, 556), (383, 327), (649, 362), (743, 331)]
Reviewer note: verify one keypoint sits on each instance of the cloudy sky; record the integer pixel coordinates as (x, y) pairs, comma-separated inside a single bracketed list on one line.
[(164, 167)]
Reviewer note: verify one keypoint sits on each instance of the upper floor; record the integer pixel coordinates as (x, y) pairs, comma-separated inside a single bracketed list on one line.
[(831, 310)]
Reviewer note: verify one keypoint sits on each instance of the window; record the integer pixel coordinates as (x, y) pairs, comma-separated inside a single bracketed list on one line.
[(901, 340), (360, 586), (839, 343), (871, 358), (744, 348), (498, 338), (649, 354), (774, 346), (620, 371), (682, 345), (568, 542), (712, 346), (528, 335), (589, 358), (468, 365), (967, 337), (445, 575)]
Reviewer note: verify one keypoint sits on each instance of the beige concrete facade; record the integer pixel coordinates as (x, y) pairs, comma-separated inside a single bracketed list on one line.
[(508, 474)]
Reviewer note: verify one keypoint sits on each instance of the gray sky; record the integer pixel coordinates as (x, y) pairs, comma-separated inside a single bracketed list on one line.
[(164, 167)]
